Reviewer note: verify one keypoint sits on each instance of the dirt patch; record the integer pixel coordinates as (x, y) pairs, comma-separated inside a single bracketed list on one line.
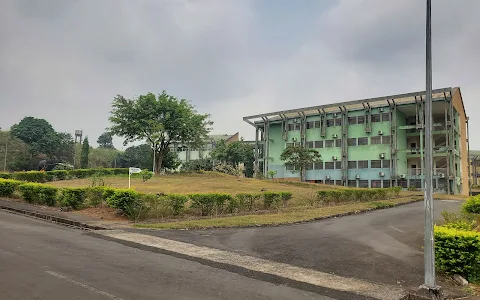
[(104, 213)]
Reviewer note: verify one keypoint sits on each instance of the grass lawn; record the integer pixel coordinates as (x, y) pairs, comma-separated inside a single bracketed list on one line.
[(285, 216), (206, 183)]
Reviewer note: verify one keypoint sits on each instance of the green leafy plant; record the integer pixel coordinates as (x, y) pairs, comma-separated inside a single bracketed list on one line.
[(286, 197), (8, 187), (209, 203), (123, 198), (271, 199), (247, 201), (271, 174), (177, 203), (472, 205), (146, 175), (38, 193), (73, 197)]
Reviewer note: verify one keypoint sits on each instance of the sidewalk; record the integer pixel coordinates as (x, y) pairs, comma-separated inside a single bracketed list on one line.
[(56, 215)]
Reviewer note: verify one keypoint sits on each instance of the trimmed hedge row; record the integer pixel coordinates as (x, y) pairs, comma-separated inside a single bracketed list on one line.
[(458, 252), (56, 175), (357, 195)]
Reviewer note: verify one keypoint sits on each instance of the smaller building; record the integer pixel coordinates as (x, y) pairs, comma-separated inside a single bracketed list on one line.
[(474, 157), (186, 154)]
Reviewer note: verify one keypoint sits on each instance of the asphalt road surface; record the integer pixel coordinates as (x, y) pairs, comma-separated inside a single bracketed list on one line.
[(39, 260), (383, 246)]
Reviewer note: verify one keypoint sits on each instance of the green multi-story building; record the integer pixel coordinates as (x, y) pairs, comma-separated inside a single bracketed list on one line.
[(377, 142)]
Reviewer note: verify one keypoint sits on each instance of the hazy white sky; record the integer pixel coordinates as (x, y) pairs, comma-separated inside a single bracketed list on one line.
[(65, 60)]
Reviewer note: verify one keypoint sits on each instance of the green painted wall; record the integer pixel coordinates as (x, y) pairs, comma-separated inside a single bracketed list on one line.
[(401, 144)]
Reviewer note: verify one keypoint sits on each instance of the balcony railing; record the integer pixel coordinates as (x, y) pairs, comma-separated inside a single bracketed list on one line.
[(419, 171)]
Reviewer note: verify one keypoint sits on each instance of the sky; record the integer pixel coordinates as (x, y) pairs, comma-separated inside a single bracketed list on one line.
[(65, 60)]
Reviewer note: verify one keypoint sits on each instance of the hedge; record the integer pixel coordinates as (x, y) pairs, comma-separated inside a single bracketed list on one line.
[(38, 193), (123, 198), (458, 252), (55, 175), (73, 197), (472, 205), (209, 203), (8, 187), (356, 195)]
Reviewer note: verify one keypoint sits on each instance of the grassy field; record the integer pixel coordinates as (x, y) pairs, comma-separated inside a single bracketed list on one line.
[(206, 183)]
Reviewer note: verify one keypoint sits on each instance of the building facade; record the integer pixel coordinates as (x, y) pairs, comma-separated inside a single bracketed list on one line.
[(186, 153), (377, 142)]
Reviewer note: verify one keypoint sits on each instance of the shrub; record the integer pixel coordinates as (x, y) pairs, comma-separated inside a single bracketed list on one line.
[(472, 205), (247, 201), (208, 203), (6, 175), (458, 252), (271, 199), (97, 194), (59, 174), (31, 176), (176, 203), (38, 193), (146, 175), (123, 198), (352, 195), (227, 169), (8, 187), (396, 190), (286, 197), (73, 197)]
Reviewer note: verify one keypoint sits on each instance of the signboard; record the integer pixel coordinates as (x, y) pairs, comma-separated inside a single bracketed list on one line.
[(134, 170)]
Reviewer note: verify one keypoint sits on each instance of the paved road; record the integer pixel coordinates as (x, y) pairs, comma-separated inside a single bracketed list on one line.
[(39, 260), (382, 246)]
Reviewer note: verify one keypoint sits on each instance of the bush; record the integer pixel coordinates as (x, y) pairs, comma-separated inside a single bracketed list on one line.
[(95, 195), (8, 187), (472, 205), (73, 197), (354, 195), (458, 252), (38, 193), (123, 199), (176, 203), (208, 203), (146, 175), (271, 199), (31, 176), (59, 174), (6, 175), (396, 190), (247, 201), (286, 197)]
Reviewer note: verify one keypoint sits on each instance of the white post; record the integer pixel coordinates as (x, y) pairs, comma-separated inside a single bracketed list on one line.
[(153, 161), (129, 179)]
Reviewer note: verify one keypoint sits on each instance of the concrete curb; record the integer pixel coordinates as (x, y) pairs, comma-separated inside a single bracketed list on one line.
[(55, 219)]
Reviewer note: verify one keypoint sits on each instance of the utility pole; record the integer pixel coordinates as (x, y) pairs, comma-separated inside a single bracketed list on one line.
[(429, 254)]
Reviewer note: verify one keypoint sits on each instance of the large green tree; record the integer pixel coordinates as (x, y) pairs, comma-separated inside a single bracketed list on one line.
[(160, 120), (105, 140), (141, 156), (298, 158), (38, 134), (235, 153), (84, 154)]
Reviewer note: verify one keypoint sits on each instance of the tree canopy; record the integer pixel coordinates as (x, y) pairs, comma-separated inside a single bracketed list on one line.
[(105, 141), (235, 153), (141, 156), (84, 154), (298, 158), (160, 120)]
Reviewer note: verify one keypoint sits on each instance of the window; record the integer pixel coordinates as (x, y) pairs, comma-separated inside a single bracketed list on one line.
[(338, 122), (338, 165), (319, 181), (352, 120), (376, 164), (376, 184), (352, 164), (352, 183), (386, 183), (309, 145), (309, 166), (338, 182), (309, 125), (363, 164), (375, 140), (289, 168), (361, 119), (330, 123), (352, 141), (289, 145), (328, 143), (338, 143), (386, 139), (296, 144), (330, 182), (318, 165), (386, 117), (289, 127), (386, 163), (297, 126), (362, 141), (318, 144), (329, 165), (363, 183), (317, 124), (416, 183), (375, 118), (403, 183)]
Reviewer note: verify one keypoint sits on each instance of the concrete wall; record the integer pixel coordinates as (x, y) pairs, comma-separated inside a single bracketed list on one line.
[(462, 141)]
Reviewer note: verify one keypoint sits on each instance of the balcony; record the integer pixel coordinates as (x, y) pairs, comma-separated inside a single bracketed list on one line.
[(418, 172)]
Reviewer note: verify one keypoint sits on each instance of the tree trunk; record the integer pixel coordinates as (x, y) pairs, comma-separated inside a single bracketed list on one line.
[(159, 161)]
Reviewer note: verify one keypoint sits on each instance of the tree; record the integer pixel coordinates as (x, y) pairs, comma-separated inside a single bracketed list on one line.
[(235, 153), (171, 160), (65, 149), (84, 154), (105, 140), (160, 120), (38, 134), (298, 158), (136, 156)]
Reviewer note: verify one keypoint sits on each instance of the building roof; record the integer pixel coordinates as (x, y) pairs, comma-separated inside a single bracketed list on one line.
[(218, 137), (401, 99), (474, 153)]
